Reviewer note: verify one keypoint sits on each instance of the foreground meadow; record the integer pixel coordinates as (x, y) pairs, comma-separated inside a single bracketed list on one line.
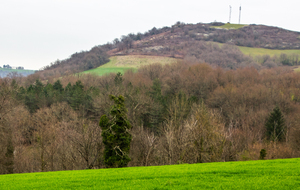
[(269, 174)]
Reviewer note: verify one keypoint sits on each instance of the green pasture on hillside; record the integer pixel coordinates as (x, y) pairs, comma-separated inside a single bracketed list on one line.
[(123, 63), (103, 70), (269, 174), (262, 51), (230, 26), (253, 52)]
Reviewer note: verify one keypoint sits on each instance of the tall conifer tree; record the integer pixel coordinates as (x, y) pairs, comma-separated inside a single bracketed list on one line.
[(275, 125), (115, 133)]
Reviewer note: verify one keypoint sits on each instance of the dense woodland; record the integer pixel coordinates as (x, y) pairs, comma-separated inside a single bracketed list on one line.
[(181, 113)]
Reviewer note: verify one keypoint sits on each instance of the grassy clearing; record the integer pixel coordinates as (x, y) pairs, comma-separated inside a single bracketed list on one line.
[(253, 52), (230, 26), (102, 71), (297, 69), (269, 174), (261, 51), (123, 63)]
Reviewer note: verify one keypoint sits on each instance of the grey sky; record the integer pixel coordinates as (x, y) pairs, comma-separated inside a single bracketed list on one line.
[(34, 33)]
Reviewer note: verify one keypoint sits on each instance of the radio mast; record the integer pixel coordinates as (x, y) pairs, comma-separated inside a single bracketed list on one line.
[(229, 13), (240, 14)]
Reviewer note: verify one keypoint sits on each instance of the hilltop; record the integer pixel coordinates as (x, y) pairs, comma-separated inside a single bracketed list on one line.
[(258, 36)]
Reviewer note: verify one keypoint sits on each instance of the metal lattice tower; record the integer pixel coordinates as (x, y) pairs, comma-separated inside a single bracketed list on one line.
[(229, 13), (240, 14)]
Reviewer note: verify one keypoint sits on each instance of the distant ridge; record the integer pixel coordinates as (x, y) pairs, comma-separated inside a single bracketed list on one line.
[(4, 72)]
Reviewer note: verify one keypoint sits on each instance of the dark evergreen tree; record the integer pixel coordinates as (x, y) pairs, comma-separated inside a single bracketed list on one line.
[(58, 91), (115, 133), (262, 154), (34, 96), (31, 100), (156, 114), (118, 79), (48, 95), (275, 125), (38, 87), (77, 97), (58, 86)]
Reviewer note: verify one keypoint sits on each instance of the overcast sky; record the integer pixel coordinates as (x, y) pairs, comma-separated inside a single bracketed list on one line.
[(34, 33)]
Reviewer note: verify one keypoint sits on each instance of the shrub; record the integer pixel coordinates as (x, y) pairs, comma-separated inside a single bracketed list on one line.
[(262, 154)]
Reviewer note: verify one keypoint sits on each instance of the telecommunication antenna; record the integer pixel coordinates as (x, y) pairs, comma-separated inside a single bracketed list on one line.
[(229, 13), (240, 14)]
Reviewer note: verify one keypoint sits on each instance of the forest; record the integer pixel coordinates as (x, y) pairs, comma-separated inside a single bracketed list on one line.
[(181, 113)]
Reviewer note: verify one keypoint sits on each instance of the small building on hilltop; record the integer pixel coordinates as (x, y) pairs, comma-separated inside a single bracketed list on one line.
[(7, 67)]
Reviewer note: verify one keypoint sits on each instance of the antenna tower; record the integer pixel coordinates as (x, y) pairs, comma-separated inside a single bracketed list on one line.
[(240, 14), (229, 13)]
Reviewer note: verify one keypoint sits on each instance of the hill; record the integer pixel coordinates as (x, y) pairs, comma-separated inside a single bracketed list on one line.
[(189, 41), (271, 174)]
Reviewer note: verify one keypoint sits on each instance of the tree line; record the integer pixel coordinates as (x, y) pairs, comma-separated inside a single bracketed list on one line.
[(78, 62), (180, 113)]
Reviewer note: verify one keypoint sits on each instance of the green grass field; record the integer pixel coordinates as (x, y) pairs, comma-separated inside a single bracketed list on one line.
[(102, 71), (262, 51), (123, 63), (230, 26), (269, 174), (253, 52)]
